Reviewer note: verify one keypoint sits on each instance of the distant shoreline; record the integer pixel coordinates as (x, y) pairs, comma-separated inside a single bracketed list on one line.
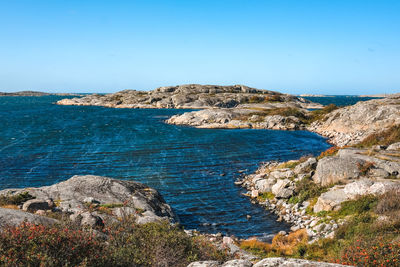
[(36, 93)]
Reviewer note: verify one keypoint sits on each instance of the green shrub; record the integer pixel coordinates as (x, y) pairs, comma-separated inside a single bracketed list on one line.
[(123, 244), (357, 206), (31, 245), (306, 189)]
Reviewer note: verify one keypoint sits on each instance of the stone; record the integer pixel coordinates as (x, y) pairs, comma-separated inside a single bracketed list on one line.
[(254, 193), (237, 263), (279, 186), (330, 200), (91, 220), (306, 166), (358, 188), (11, 217), (204, 264), (332, 170), (287, 262), (394, 146), (33, 205), (264, 185), (91, 200)]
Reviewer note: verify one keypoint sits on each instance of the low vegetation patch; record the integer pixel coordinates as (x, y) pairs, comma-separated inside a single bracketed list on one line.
[(17, 199), (384, 138), (319, 114), (332, 151), (123, 244), (306, 189), (280, 246)]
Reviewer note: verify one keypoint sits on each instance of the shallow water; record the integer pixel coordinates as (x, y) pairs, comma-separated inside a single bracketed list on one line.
[(194, 169)]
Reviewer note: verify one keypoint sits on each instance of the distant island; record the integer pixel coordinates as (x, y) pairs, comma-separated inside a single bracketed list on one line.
[(36, 93)]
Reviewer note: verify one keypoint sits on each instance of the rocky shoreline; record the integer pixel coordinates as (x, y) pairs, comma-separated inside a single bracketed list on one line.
[(345, 175)]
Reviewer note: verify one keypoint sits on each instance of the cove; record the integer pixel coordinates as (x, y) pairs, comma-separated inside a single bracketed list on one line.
[(194, 169)]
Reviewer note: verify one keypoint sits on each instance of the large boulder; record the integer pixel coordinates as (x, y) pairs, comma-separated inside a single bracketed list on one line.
[(331, 200), (285, 262), (283, 188), (11, 217), (332, 170), (73, 194)]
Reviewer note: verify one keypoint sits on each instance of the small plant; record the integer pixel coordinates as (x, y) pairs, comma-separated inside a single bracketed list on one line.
[(384, 138), (388, 203), (377, 252), (306, 189), (365, 167), (319, 114), (332, 151), (17, 199), (265, 196)]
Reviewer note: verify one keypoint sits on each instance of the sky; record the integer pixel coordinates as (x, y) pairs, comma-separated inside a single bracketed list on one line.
[(291, 46)]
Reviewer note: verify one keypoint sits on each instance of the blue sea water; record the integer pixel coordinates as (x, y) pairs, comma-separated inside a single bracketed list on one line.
[(194, 169)]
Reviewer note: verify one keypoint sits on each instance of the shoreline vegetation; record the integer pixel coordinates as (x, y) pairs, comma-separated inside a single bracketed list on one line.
[(343, 205)]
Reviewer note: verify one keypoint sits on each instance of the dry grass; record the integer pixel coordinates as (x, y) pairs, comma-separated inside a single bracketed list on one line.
[(281, 245), (384, 138)]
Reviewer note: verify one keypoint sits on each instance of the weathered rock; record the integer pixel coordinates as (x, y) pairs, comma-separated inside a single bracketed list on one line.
[(191, 96), (264, 185), (73, 193), (306, 166), (331, 170), (237, 263), (394, 146), (10, 217), (281, 190), (358, 188), (204, 264), (286, 262), (331, 200), (350, 125), (33, 205), (91, 220)]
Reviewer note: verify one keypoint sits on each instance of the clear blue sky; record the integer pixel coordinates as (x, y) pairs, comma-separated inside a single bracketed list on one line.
[(298, 46)]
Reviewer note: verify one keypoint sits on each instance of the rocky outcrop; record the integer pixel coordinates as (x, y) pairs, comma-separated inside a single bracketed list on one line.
[(268, 262), (237, 118), (91, 200), (192, 96), (350, 125), (341, 176)]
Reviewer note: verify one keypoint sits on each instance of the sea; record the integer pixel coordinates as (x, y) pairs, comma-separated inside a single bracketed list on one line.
[(194, 169)]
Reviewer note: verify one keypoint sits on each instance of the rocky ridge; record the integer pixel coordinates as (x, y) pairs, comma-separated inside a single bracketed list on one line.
[(189, 96), (350, 125), (340, 176), (88, 200)]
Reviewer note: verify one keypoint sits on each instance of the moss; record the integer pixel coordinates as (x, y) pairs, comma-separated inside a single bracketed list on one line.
[(265, 196)]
